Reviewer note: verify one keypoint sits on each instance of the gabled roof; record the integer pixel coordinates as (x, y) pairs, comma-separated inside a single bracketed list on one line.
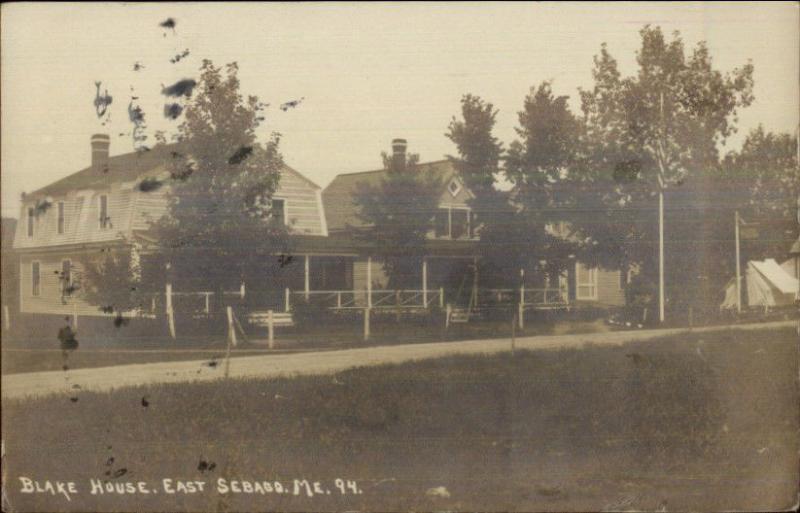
[(121, 168), (339, 196), (125, 168)]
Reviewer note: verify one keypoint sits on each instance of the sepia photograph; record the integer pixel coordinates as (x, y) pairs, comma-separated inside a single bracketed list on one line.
[(400, 256)]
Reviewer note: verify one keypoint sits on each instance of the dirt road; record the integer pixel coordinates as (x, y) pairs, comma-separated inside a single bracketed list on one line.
[(16, 386)]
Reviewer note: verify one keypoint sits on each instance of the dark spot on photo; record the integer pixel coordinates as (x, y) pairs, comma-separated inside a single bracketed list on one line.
[(145, 402), (150, 184), (172, 110), (291, 104), (120, 321), (138, 66), (180, 88), (107, 309), (120, 472), (73, 399), (179, 56), (212, 363), (110, 461), (240, 155), (67, 338), (182, 175)]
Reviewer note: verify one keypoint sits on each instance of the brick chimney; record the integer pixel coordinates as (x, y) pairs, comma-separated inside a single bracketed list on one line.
[(399, 154), (100, 143)]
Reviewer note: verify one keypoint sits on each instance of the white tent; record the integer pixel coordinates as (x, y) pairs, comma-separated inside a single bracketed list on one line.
[(765, 284)]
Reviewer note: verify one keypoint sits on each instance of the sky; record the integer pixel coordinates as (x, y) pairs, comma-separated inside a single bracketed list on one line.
[(366, 73)]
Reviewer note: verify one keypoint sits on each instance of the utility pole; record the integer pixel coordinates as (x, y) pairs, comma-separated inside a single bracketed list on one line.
[(738, 267), (661, 255), (661, 186)]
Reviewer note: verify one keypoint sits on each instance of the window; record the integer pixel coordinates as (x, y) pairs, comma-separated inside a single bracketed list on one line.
[(60, 214), (31, 220), (278, 210), (442, 222), (586, 282), (66, 275), (453, 187), (36, 281), (104, 219), (453, 223), (459, 223)]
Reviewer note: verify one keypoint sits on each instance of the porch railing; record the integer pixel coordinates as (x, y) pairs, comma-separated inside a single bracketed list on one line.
[(376, 298)]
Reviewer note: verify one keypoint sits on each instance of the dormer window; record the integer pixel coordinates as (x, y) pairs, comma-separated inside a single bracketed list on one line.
[(31, 220), (104, 219), (60, 214), (454, 187)]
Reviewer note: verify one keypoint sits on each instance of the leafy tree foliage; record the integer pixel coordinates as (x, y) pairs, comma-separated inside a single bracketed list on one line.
[(658, 130), (220, 226), (399, 213)]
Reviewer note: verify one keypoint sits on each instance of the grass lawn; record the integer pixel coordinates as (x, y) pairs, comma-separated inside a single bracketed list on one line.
[(45, 355), (700, 421)]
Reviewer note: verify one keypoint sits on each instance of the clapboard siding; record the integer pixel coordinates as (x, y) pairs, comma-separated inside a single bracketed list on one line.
[(608, 288), (50, 299), (130, 209)]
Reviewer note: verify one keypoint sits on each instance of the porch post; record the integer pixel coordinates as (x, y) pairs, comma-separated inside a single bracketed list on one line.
[(307, 282), (475, 283), (369, 282), (425, 282), (521, 314), (286, 304)]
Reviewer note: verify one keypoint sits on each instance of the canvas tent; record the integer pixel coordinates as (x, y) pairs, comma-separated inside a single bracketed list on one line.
[(766, 284)]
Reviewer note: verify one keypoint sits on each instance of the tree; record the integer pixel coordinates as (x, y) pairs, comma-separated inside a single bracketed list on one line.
[(478, 165), (763, 177), (219, 227), (113, 283), (399, 213), (536, 165), (479, 150), (647, 135)]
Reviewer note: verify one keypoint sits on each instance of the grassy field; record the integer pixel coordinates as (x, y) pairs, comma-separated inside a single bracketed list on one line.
[(46, 356), (702, 421)]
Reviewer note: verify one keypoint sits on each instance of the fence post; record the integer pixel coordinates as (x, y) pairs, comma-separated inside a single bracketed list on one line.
[(231, 341), (424, 282), (397, 304), (75, 315), (207, 294), (271, 329), (366, 323), (514, 334), (286, 305), (441, 297), (231, 329), (169, 310), (447, 316), (6, 318), (339, 299), (241, 290), (521, 313), (369, 282)]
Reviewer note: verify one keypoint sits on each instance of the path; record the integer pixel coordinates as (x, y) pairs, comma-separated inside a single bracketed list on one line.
[(323, 362)]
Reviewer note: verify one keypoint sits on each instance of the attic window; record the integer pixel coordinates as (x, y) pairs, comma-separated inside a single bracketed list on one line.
[(454, 187)]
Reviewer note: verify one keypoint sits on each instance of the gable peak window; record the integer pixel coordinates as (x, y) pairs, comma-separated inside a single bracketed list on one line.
[(454, 187)]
